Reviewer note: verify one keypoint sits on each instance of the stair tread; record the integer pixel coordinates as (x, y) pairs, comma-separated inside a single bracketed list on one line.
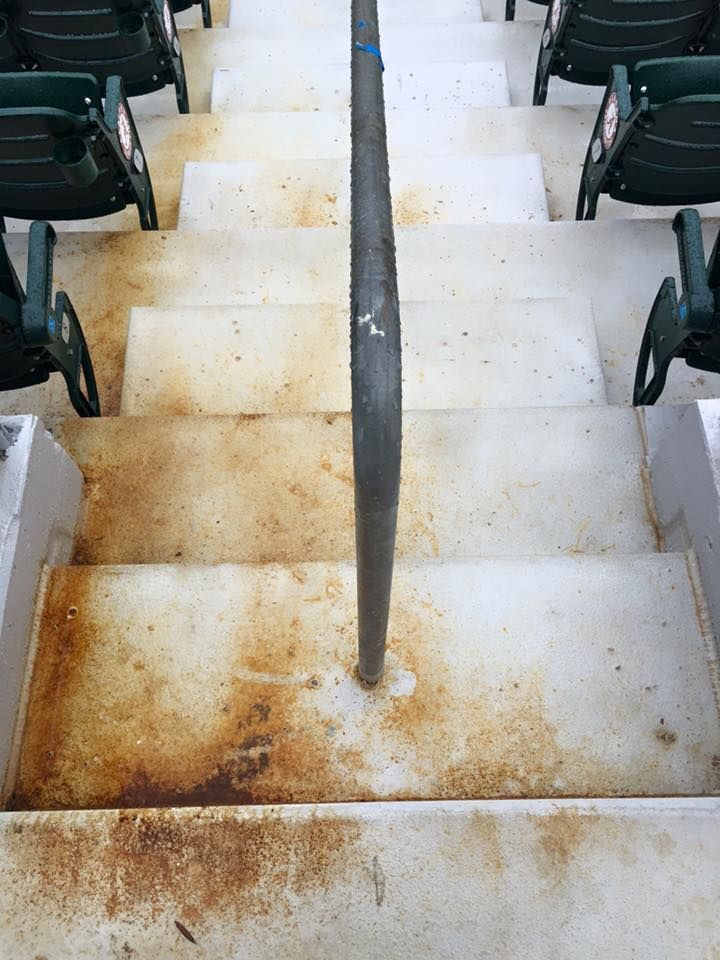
[(619, 265), (256, 46), (307, 87), (188, 685), (539, 878), (274, 13), (316, 193), (559, 135), (255, 359), (266, 488)]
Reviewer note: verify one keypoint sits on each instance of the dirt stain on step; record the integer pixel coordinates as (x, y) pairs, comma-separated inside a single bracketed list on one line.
[(228, 687)]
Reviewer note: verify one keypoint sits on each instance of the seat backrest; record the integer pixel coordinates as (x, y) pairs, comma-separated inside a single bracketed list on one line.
[(127, 38), (673, 156), (664, 80), (58, 159), (600, 33)]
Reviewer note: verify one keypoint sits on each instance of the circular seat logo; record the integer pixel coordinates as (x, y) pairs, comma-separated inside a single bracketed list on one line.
[(124, 132), (611, 121)]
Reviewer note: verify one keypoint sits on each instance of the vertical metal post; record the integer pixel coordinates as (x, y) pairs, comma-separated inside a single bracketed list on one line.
[(375, 345)]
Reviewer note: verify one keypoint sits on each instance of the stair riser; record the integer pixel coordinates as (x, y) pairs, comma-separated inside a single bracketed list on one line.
[(527, 354), (254, 885), (465, 190), (515, 44), (308, 87), (249, 489)]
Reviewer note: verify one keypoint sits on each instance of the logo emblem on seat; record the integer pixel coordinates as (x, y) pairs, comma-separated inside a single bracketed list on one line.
[(124, 132), (611, 121)]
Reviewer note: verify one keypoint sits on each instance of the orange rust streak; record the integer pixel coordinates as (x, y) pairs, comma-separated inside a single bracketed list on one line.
[(160, 490), (200, 867), (252, 708)]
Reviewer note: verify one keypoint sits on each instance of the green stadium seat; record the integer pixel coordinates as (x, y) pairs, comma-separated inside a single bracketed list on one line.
[(656, 138), (688, 329), (180, 5), (65, 157), (583, 39), (10, 54), (133, 39), (38, 338), (510, 7)]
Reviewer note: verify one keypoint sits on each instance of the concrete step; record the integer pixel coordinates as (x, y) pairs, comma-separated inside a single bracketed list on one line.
[(271, 14), (255, 359), (258, 48), (453, 879), (559, 134), (316, 193), (280, 488), (185, 685), (307, 87), (618, 265)]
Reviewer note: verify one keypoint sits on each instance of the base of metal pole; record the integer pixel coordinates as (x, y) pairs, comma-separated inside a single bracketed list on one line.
[(370, 681)]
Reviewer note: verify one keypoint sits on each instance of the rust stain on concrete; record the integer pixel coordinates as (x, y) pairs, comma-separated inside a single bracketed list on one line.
[(215, 489), (200, 868), (106, 274), (412, 208), (254, 699)]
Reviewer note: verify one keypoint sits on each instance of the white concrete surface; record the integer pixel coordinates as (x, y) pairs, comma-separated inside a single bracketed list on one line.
[(527, 481), (319, 13), (559, 135), (316, 193), (533, 880), (571, 676), (40, 492), (619, 266), (255, 359), (684, 458), (293, 88), (258, 48)]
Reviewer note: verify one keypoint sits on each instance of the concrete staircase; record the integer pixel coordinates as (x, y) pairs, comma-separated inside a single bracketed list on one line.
[(199, 770)]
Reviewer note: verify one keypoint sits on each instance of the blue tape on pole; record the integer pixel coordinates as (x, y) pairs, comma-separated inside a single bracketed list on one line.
[(369, 48), (361, 24)]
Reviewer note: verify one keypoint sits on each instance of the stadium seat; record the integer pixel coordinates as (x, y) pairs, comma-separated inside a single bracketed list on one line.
[(688, 329), (583, 39), (37, 338), (656, 137), (133, 39), (65, 157)]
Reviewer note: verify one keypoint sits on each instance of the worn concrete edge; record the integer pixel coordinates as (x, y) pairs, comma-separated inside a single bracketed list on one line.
[(373, 810), (683, 450), (40, 496)]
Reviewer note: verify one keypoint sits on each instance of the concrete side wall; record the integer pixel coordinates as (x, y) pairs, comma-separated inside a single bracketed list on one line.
[(684, 454), (40, 492)]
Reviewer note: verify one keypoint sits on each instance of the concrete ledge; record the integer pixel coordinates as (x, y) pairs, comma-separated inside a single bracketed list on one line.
[(40, 490), (684, 458)]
